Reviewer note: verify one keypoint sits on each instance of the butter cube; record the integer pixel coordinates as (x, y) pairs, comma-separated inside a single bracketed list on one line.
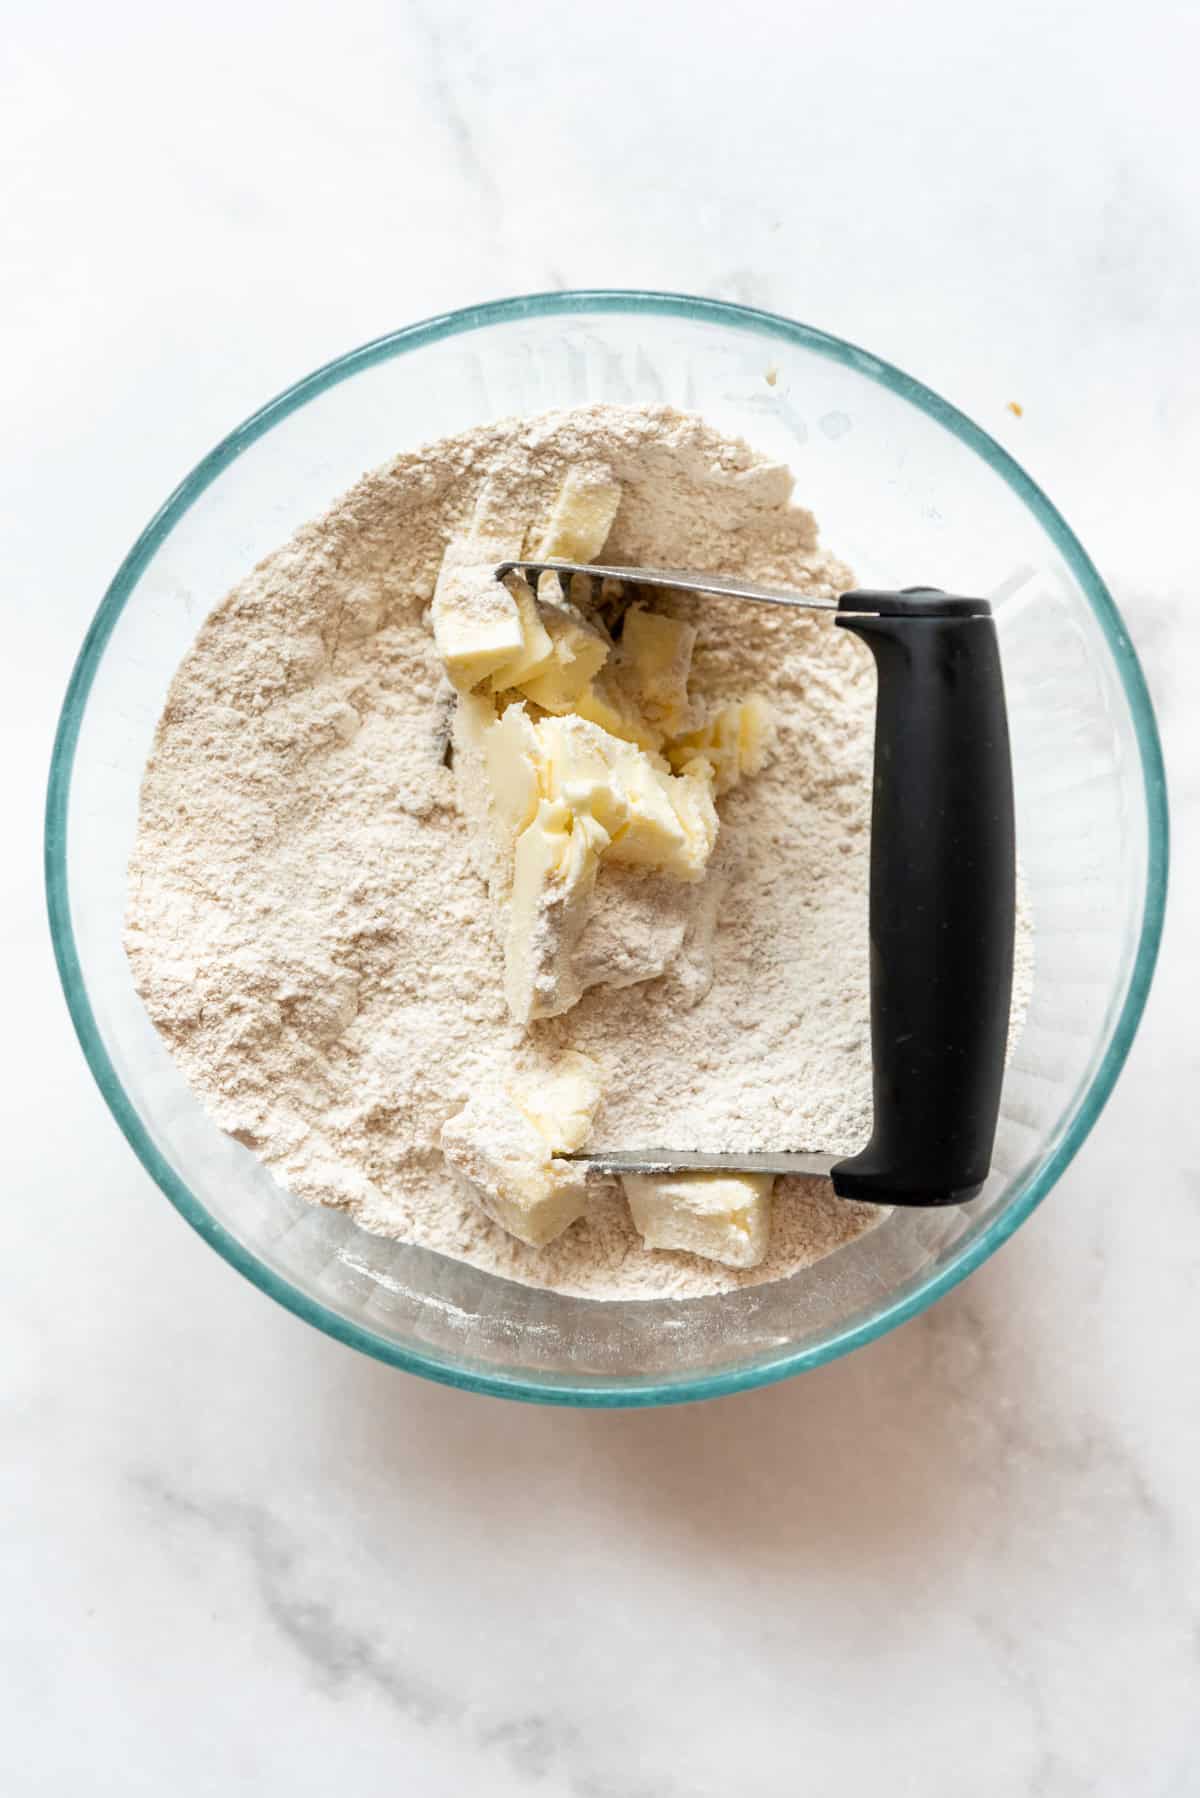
[(581, 519), (652, 818), (654, 837), (653, 662), (537, 649), (735, 741), (607, 704), (723, 1217), (476, 623), (554, 872), (691, 794), (561, 1102), (513, 761), (492, 538), (756, 735), (579, 651), (580, 763), (508, 1163), (474, 715)]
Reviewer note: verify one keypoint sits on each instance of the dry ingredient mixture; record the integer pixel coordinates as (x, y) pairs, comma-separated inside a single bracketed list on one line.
[(310, 928)]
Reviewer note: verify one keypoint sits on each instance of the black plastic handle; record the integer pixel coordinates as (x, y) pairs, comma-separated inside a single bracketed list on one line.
[(942, 900)]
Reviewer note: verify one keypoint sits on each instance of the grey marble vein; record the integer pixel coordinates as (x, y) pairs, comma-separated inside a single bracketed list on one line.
[(466, 141), (341, 1656)]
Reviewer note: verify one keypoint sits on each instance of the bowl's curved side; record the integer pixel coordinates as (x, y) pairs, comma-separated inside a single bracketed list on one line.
[(550, 1389)]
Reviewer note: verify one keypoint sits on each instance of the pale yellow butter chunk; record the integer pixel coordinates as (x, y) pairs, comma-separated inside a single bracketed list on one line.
[(672, 820), (580, 766), (513, 763), (606, 703), (505, 1143), (723, 1217), (509, 1164), (653, 663), (735, 741), (561, 1102), (578, 651), (653, 819), (474, 716), (581, 520), (756, 735), (554, 872), (691, 794), (537, 649), (654, 836), (476, 622)]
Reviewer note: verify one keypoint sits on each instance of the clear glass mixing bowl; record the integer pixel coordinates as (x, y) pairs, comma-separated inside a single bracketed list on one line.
[(908, 491)]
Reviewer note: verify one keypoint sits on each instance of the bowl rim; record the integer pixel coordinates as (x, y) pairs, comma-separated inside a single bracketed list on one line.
[(562, 1389)]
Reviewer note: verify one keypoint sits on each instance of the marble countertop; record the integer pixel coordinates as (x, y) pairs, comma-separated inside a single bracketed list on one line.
[(240, 1558)]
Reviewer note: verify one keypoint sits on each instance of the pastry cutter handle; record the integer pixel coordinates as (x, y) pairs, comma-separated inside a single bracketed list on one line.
[(942, 897)]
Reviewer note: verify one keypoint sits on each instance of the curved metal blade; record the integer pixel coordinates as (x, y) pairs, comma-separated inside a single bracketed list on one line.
[(809, 1163), (686, 580)]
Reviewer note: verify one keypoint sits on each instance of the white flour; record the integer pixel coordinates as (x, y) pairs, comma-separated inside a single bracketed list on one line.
[(310, 936)]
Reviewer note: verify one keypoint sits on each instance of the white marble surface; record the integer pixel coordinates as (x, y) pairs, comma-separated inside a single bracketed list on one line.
[(239, 1558)]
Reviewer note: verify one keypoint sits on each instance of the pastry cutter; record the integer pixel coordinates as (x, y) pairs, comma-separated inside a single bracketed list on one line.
[(942, 893)]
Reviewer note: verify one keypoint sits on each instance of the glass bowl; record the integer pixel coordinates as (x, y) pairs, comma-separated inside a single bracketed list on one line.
[(907, 490)]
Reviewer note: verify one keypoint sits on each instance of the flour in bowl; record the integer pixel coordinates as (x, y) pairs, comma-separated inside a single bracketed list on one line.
[(309, 928)]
